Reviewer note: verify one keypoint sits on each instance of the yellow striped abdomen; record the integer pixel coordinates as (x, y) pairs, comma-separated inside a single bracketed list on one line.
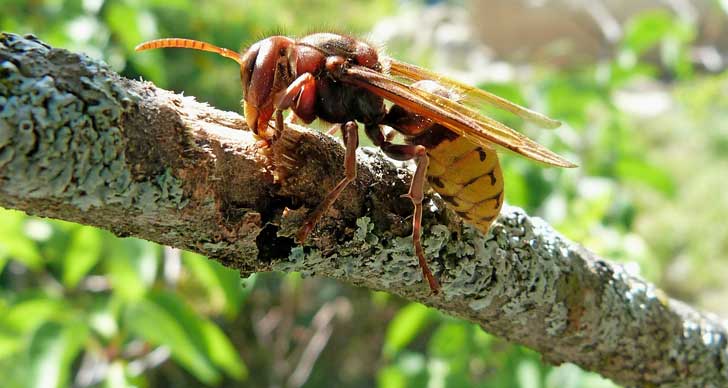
[(469, 178)]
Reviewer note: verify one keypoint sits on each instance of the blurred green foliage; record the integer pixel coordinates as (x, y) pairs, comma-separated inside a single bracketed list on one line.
[(81, 307), (73, 294)]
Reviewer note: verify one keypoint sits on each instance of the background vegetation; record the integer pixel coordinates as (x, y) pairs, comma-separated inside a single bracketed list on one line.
[(81, 307)]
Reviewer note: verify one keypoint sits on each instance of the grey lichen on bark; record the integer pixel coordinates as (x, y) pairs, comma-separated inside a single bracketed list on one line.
[(80, 143)]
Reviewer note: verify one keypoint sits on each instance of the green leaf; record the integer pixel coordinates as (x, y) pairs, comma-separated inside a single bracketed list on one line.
[(293, 281), (673, 35), (158, 324), (14, 244), (391, 377), (451, 351), (29, 314), (124, 21), (82, 255), (380, 298), (482, 340), (10, 342), (646, 30), (3, 258), (638, 170), (518, 191), (133, 265), (570, 98), (222, 352), (51, 353), (223, 287), (405, 326), (450, 340), (164, 319), (205, 335)]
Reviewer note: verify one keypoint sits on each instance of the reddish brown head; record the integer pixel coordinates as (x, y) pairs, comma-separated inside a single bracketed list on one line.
[(265, 70)]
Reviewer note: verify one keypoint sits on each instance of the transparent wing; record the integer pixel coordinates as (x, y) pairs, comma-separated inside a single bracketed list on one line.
[(455, 116), (471, 94)]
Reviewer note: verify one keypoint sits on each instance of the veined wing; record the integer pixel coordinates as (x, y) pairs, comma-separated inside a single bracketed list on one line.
[(471, 94), (455, 116)]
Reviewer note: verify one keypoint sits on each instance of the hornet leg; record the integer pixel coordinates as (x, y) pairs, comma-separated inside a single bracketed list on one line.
[(300, 95), (351, 138), (415, 194)]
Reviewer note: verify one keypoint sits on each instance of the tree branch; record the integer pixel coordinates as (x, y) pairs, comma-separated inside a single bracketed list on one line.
[(80, 143)]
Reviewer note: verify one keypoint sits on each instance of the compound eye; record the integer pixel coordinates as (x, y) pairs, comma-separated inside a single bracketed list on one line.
[(247, 67)]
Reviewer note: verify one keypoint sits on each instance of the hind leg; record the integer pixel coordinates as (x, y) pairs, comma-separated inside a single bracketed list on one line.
[(416, 192)]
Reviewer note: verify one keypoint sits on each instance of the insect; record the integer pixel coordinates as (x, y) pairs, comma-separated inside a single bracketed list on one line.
[(343, 80)]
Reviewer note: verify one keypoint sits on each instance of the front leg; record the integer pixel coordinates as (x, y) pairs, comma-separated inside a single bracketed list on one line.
[(300, 96), (351, 138)]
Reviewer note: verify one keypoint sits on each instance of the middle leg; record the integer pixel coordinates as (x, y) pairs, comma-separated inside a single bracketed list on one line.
[(351, 138)]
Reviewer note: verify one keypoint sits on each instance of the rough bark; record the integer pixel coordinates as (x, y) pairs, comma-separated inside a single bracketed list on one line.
[(80, 143)]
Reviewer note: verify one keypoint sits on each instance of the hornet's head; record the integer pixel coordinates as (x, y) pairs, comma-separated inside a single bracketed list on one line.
[(266, 69)]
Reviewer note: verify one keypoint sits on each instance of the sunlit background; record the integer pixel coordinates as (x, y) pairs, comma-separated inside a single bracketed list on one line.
[(640, 85)]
